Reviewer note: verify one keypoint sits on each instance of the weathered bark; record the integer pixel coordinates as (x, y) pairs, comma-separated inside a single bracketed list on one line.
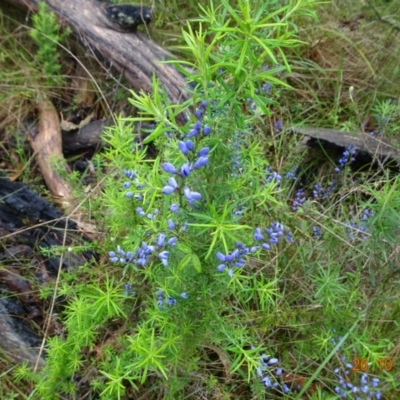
[(135, 54), (29, 223), (46, 144), (383, 148)]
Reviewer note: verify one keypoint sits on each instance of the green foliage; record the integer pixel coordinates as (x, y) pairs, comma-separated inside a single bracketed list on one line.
[(47, 37), (189, 299)]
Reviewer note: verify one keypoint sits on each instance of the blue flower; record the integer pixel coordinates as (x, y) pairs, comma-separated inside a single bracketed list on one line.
[(171, 224), (161, 240), (289, 237), (278, 126), (203, 104), (317, 232), (258, 235), (183, 148), (221, 267), (197, 126), (174, 207), (193, 133), (298, 200), (127, 185), (191, 196), (129, 174), (220, 256), (189, 145), (198, 113), (185, 170), (203, 152), (168, 167), (172, 181), (267, 381), (184, 295), (201, 162), (172, 241), (167, 190), (206, 130)]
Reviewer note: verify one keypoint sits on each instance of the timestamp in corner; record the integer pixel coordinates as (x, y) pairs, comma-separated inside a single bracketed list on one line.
[(362, 364)]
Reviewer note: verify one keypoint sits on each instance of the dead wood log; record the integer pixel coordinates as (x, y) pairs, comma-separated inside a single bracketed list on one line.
[(28, 223), (135, 54), (47, 146), (382, 148)]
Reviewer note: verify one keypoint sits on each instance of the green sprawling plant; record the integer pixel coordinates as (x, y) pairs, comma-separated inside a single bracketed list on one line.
[(222, 275), (46, 34)]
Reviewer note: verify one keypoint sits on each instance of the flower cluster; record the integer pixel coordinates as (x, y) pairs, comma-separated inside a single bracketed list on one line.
[(269, 237), (299, 199), (128, 290), (168, 300), (131, 175), (143, 254), (193, 162), (292, 174), (366, 388), (270, 374), (278, 126), (317, 232), (236, 157), (359, 229), (348, 157), (272, 176), (321, 193)]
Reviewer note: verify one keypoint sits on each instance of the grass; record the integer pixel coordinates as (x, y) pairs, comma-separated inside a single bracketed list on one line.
[(314, 316)]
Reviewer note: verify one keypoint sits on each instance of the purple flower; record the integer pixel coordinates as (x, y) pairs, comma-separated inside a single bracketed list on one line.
[(161, 240), (167, 190), (193, 133), (185, 170), (203, 104), (201, 162), (171, 301), (221, 267), (184, 295), (183, 148), (317, 232), (267, 381), (198, 113), (191, 196), (172, 241), (129, 195), (220, 256), (289, 237), (170, 224), (197, 126), (258, 235), (174, 207), (265, 246), (206, 130), (140, 211), (163, 255), (127, 185), (278, 126), (189, 145), (168, 167), (129, 174), (203, 152)]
